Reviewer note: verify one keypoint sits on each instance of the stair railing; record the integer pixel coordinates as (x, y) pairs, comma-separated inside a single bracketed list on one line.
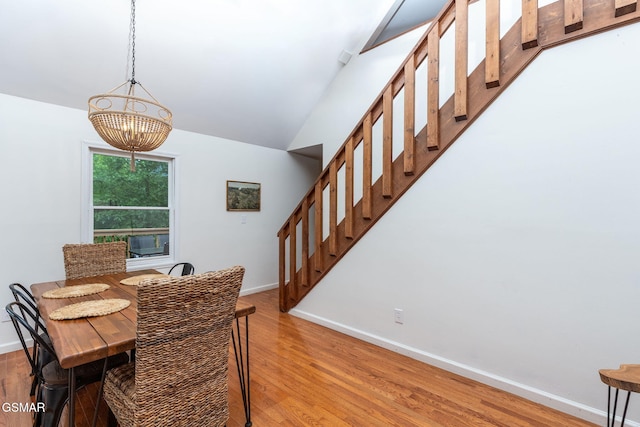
[(345, 201)]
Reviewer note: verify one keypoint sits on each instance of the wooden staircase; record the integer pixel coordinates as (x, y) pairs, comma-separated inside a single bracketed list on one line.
[(309, 244)]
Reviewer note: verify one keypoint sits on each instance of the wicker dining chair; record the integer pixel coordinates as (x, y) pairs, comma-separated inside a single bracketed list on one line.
[(179, 376), (94, 259)]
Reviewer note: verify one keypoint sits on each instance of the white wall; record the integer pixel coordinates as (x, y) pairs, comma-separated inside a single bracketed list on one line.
[(351, 93), (40, 182), (515, 257)]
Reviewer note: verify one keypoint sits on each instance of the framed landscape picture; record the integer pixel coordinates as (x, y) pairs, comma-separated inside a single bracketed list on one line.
[(243, 196)]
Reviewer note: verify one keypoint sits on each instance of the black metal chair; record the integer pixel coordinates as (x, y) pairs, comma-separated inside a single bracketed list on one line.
[(40, 356), (187, 268), (52, 379)]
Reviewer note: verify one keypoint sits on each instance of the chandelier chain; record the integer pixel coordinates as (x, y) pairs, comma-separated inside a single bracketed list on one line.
[(132, 36)]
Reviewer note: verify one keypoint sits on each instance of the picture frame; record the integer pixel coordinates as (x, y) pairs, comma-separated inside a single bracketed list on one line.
[(243, 196)]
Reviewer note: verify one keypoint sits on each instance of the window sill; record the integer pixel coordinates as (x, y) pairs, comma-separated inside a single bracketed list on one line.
[(156, 262)]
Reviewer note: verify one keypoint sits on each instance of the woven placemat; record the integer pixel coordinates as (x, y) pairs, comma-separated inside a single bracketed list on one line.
[(76, 291), (135, 280), (93, 308)]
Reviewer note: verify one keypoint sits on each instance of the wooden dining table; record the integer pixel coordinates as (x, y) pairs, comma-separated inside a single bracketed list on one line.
[(88, 339)]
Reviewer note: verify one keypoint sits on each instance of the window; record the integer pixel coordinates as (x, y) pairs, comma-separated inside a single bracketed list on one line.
[(134, 206)]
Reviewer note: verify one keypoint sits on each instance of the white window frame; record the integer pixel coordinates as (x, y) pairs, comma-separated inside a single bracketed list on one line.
[(161, 261)]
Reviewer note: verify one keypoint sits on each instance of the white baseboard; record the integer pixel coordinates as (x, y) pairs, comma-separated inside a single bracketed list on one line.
[(542, 397), (257, 289), (13, 346)]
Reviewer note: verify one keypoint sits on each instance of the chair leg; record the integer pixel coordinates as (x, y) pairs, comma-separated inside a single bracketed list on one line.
[(34, 384), (54, 399), (37, 416)]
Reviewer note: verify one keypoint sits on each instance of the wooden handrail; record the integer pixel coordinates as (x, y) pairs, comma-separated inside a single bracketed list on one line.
[(537, 29)]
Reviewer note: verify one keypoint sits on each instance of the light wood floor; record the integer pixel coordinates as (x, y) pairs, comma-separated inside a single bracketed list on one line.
[(305, 375)]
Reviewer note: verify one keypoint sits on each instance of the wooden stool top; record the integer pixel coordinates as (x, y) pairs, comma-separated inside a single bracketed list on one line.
[(627, 377)]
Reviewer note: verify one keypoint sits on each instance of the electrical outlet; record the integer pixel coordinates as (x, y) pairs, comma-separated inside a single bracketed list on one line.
[(4, 316), (398, 315)]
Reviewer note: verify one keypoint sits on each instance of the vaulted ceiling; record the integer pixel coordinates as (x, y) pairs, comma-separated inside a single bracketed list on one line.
[(247, 70)]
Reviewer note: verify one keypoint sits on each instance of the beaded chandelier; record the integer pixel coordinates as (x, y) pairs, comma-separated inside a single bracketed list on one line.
[(126, 121)]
